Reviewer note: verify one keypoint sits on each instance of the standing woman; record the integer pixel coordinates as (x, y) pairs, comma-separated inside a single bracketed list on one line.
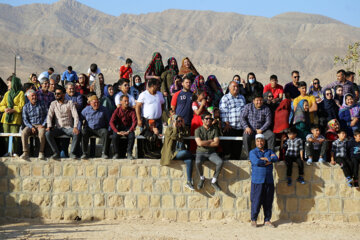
[(137, 87), (188, 68), (12, 105), (315, 90), (155, 68), (216, 92), (252, 87)]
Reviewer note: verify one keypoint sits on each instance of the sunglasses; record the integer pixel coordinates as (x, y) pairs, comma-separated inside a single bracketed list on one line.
[(316, 83), (58, 93), (297, 77), (208, 119), (270, 96)]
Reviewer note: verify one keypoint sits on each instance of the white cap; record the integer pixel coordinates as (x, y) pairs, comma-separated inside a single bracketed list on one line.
[(259, 136)]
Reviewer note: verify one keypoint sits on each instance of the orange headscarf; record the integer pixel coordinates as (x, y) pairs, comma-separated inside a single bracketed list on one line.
[(184, 70)]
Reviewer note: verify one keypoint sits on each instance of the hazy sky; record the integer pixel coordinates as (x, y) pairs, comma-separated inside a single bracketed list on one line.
[(346, 11)]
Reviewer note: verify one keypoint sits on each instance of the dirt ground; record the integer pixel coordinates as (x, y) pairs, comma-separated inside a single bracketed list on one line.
[(167, 230)]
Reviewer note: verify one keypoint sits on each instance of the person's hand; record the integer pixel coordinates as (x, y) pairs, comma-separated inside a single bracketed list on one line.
[(227, 127), (248, 131), (139, 123), (264, 159), (41, 126), (10, 110), (121, 133), (156, 131), (47, 129), (33, 130), (258, 131), (126, 133), (284, 137), (321, 140), (203, 102), (310, 140), (354, 122), (75, 131)]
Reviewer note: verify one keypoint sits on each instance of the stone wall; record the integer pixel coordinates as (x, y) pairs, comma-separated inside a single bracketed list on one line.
[(107, 189)]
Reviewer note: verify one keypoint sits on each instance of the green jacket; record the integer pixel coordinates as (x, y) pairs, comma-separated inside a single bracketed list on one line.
[(168, 151), (167, 79)]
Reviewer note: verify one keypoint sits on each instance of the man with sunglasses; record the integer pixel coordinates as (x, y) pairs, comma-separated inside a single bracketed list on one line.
[(291, 89), (66, 122), (207, 140)]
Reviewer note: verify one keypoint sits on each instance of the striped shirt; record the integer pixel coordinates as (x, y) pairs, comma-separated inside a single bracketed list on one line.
[(294, 146), (65, 114), (231, 108)]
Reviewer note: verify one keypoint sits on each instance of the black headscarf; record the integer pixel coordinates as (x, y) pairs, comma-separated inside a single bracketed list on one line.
[(331, 109)]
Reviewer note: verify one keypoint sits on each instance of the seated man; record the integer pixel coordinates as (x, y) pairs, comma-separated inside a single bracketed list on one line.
[(123, 123), (256, 119), (67, 121), (96, 119), (207, 140), (34, 117)]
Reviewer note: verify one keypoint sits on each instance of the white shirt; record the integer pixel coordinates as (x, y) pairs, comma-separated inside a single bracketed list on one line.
[(131, 99), (93, 75), (151, 108), (44, 75)]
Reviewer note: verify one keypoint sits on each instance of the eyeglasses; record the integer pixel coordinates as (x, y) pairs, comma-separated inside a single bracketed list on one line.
[(208, 119), (316, 83), (58, 93)]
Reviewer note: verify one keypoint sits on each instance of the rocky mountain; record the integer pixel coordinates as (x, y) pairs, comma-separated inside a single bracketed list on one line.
[(70, 33)]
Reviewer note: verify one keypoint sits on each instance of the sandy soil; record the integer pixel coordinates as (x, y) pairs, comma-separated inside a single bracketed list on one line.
[(167, 230)]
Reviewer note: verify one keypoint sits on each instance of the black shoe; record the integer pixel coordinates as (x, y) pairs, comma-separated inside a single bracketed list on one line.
[(130, 157), (84, 156), (104, 156), (201, 184), (73, 156), (216, 186), (189, 185), (116, 156), (55, 156)]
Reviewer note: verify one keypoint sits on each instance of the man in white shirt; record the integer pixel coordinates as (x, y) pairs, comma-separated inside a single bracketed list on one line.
[(124, 86), (93, 72)]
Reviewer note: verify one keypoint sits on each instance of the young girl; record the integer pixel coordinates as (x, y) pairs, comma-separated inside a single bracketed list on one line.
[(176, 86), (339, 97), (302, 119), (349, 114)]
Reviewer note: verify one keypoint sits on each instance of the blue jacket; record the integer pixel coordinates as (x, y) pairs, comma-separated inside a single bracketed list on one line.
[(259, 172)]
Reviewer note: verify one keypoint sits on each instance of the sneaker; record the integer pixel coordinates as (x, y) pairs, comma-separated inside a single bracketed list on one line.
[(130, 157), (321, 160), (15, 155), (289, 181), (200, 183), (116, 156), (104, 156), (84, 156), (73, 156), (25, 156), (55, 156), (300, 180), (216, 186), (309, 161), (356, 184), (349, 181), (41, 156), (189, 186)]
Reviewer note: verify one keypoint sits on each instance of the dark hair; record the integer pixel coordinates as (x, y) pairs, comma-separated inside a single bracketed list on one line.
[(348, 95), (250, 73), (27, 86), (51, 69), (341, 71), (236, 76), (349, 73), (93, 67), (185, 78), (61, 88), (101, 74), (122, 97), (152, 82), (258, 95), (338, 86), (315, 126), (292, 130), (295, 71), (273, 77), (122, 81), (206, 113), (301, 84), (90, 94), (128, 60), (356, 132), (342, 130), (69, 68)]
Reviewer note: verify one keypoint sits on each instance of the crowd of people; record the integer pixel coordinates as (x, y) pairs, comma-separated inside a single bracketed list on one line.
[(314, 123)]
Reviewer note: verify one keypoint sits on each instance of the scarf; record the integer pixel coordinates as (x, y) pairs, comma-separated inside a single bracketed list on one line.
[(300, 115), (315, 93), (156, 66), (174, 68), (282, 116), (196, 86), (217, 94), (184, 70), (14, 91), (353, 109), (107, 94), (99, 88), (330, 107), (331, 125)]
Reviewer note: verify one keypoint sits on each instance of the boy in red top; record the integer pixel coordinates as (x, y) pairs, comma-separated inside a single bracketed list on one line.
[(126, 70), (275, 88)]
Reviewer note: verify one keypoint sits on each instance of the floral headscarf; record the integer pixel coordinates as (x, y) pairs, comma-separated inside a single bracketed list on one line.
[(155, 66), (184, 70)]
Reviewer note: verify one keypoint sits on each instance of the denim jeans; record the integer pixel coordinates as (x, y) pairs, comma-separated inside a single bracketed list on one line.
[(186, 156), (56, 132)]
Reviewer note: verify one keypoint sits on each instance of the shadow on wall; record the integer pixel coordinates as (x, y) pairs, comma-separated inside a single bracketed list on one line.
[(295, 202)]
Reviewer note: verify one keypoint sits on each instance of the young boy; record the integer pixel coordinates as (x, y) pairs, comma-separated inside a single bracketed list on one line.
[(353, 148), (294, 153), (126, 70), (315, 142), (338, 155)]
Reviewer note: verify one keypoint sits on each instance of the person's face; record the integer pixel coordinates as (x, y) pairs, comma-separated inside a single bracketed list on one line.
[(295, 77), (302, 90), (340, 76), (153, 88), (32, 98), (59, 95), (45, 86), (125, 102), (339, 91), (213, 85), (8, 83), (349, 101), (251, 77), (217, 114), (202, 81), (70, 90), (315, 132), (125, 87), (186, 84), (111, 90), (336, 126), (57, 79), (52, 85), (179, 122), (95, 104), (236, 79), (207, 121), (34, 79), (273, 83), (357, 137), (234, 88), (173, 62), (328, 94), (292, 136), (137, 80), (177, 80), (82, 79), (187, 63), (342, 136), (258, 102), (306, 106), (270, 97), (101, 79), (260, 143), (316, 84)]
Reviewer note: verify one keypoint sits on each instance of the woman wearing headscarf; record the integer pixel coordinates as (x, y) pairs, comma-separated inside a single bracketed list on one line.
[(155, 68), (167, 78), (302, 119), (327, 109), (34, 80), (282, 115), (137, 87), (216, 92), (349, 114), (108, 100), (252, 87), (174, 147), (315, 90), (187, 68), (82, 86), (339, 95), (12, 105)]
